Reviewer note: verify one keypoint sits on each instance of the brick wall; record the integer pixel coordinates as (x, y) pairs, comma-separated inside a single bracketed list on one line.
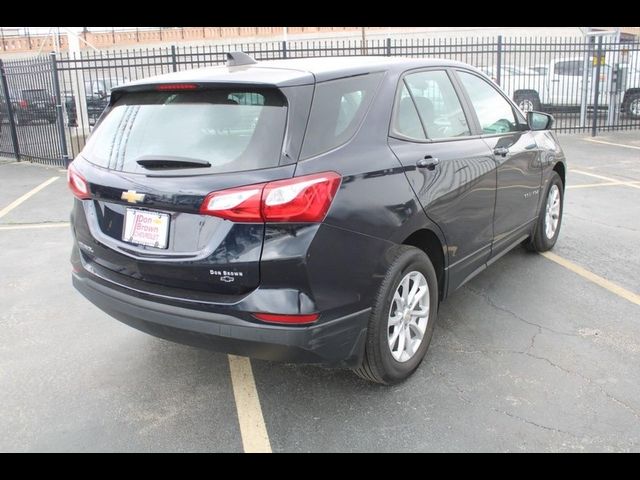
[(13, 44)]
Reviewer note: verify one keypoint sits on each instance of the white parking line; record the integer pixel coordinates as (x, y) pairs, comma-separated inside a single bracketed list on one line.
[(629, 183), (598, 280), (29, 226), (252, 427), (611, 143), (26, 196), (603, 184)]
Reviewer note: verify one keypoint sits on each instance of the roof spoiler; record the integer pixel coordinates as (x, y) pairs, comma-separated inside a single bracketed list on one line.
[(235, 59)]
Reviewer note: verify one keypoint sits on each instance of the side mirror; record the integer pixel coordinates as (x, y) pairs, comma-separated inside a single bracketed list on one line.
[(539, 120)]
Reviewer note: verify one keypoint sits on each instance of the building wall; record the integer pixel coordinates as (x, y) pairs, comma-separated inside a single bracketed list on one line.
[(21, 46)]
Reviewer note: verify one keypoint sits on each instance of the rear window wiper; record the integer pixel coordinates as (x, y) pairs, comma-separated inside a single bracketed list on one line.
[(168, 162)]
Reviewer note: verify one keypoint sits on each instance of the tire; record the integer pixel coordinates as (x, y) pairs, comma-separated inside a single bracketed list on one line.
[(540, 241), (527, 101), (632, 105), (379, 364)]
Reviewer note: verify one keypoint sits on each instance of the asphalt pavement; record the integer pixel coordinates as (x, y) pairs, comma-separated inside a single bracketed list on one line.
[(531, 355)]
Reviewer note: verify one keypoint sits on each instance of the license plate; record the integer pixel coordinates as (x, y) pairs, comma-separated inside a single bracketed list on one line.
[(146, 228)]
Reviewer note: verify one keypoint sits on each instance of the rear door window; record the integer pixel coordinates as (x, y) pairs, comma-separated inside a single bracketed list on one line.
[(438, 104), (336, 112), (228, 129)]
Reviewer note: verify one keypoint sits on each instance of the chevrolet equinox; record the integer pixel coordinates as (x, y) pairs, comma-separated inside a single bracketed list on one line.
[(308, 210)]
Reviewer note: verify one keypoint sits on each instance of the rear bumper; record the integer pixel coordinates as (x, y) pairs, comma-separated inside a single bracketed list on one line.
[(338, 342)]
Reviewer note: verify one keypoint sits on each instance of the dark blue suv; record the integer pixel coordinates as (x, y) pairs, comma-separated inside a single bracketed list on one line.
[(308, 210)]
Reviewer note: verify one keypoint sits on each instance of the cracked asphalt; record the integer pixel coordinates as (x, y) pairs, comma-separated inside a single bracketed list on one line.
[(529, 356)]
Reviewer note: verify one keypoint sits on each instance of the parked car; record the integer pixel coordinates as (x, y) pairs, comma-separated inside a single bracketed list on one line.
[(308, 210), (96, 96), (30, 105), (519, 82), (541, 69), (560, 84)]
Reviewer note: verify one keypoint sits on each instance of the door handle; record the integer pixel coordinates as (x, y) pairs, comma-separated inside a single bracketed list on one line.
[(501, 151), (428, 162)]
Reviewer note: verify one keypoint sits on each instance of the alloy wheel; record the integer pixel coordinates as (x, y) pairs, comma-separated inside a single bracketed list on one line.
[(552, 216), (408, 316)]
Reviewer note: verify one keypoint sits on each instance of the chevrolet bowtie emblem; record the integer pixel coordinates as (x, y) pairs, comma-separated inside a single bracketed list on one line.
[(132, 197)]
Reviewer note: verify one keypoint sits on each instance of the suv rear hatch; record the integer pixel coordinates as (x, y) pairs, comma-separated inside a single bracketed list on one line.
[(148, 167)]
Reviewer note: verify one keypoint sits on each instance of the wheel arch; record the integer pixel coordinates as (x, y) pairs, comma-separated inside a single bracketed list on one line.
[(526, 91), (561, 170), (428, 241), (629, 93)]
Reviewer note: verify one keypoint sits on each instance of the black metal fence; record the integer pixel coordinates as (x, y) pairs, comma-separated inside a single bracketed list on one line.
[(49, 104)]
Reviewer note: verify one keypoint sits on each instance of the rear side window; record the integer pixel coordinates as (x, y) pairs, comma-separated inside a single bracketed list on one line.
[(336, 112), (230, 129), (572, 68)]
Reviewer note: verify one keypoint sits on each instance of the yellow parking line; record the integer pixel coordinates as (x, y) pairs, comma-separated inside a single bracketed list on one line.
[(611, 143), (602, 282), (252, 427), (26, 196), (630, 183), (28, 226)]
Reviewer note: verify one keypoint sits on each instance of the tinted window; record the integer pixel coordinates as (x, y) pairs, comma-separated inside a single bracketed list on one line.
[(573, 68), (437, 104), (210, 125), (336, 112), (495, 114)]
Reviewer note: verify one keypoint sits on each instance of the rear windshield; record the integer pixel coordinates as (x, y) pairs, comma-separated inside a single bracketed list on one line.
[(226, 130)]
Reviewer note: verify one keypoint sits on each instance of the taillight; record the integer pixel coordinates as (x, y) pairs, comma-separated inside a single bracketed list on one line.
[(301, 199), (287, 319), (24, 104), (77, 184), (237, 204)]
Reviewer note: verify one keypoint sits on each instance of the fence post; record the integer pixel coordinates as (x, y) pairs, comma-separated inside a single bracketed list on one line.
[(596, 94), (12, 123), (59, 107), (388, 46), (284, 49), (174, 60), (499, 60), (584, 95)]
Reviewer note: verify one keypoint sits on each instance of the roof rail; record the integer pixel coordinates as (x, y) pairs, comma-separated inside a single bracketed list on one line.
[(235, 59)]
